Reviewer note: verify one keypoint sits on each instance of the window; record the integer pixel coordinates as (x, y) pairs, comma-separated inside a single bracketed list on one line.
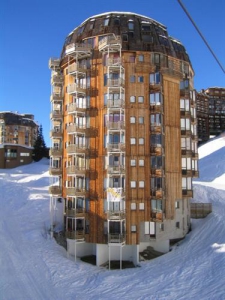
[(141, 184), (156, 205), (154, 78), (141, 120), (133, 184), (133, 206), (132, 78), (155, 99), (132, 120), (161, 226), (141, 206), (133, 228), (140, 99), (141, 79), (106, 22), (132, 141), (150, 229), (141, 141), (141, 162), (132, 59), (131, 26), (177, 204), (184, 84), (145, 27), (125, 37), (133, 162), (177, 224), (116, 21), (132, 99), (141, 57)]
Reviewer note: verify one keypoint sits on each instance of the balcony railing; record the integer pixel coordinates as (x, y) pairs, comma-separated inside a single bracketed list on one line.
[(116, 147), (56, 133), (115, 125), (157, 172), (74, 107), (156, 150), (115, 82), (77, 68), (74, 88), (75, 191), (116, 215), (74, 48), (55, 190), (156, 107), (55, 171), (116, 103), (56, 79), (116, 169), (54, 63), (76, 170), (118, 238), (55, 152), (78, 235), (114, 61), (56, 97), (187, 193), (75, 212), (72, 128), (56, 114), (76, 148), (157, 193), (156, 128), (156, 216), (112, 41)]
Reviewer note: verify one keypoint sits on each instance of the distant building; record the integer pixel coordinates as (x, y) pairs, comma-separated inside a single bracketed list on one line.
[(124, 137), (18, 133), (210, 112)]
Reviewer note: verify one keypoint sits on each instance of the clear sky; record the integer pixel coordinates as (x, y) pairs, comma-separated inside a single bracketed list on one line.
[(32, 31)]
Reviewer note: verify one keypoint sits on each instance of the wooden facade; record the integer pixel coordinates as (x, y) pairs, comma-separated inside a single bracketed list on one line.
[(123, 129)]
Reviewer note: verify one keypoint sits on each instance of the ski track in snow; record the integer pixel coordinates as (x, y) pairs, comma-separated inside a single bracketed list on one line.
[(34, 267)]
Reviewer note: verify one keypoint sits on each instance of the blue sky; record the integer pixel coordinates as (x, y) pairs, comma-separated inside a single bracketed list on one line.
[(32, 31)]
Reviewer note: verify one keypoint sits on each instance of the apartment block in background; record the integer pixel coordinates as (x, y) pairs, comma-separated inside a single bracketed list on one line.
[(17, 135), (123, 137)]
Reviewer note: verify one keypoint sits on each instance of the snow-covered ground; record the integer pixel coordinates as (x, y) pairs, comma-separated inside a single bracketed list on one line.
[(35, 267)]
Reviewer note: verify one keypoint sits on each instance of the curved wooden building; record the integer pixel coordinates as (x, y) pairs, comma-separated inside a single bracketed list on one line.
[(124, 139)]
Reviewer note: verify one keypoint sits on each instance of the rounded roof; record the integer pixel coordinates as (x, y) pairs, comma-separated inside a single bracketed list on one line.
[(138, 33)]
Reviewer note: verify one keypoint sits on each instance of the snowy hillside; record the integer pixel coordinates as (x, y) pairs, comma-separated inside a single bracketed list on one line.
[(34, 267)]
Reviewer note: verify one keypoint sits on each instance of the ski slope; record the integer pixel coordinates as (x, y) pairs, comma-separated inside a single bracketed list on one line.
[(34, 267)]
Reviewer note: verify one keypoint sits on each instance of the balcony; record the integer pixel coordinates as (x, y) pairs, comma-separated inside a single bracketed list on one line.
[(187, 193), (116, 103), (156, 150), (112, 42), (75, 128), (76, 212), (156, 107), (56, 80), (76, 148), (116, 147), (76, 170), (55, 152), (118, 238), (116, 215), (74, 108), (56, 114), (55, 190), (116, 169), (195, 174), (79, 69), (73, 89), (82, 50), (156, 128), (184, 113), (74, 191), (54, 63), (56, 133), (157, 193), (56, 97), (155, 86), (77, 235), (118, 82), (114, 61), (107, 192), (120, 125), (156, 216), (187, 173), (55, 171), (186, 152), (157, 172), (185, 133)]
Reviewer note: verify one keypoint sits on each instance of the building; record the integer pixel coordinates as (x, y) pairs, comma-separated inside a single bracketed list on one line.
[(202, 111), (123, 137), (17, 135)]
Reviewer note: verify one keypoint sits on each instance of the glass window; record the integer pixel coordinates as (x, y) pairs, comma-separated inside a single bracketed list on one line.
[(132, 141), (140, 78), (141, 141), (155, 99), (154, 78), (141, 120), (132, 78), (125, 37), (132, 99), (141, 57), (156, 205), (132, 59), (133, 228), (133, 162), (141, 184), (132, 120), (140, 99), (133, 184), (106, 22), (133, 206), (131, 26), (141, 162), (141, 206)]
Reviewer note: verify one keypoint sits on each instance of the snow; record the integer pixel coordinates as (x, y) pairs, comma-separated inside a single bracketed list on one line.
[(33, 266)]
